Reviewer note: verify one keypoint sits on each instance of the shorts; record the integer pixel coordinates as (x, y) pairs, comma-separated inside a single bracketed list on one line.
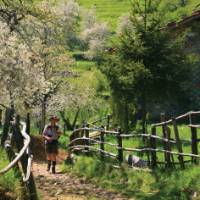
[(52, 147)]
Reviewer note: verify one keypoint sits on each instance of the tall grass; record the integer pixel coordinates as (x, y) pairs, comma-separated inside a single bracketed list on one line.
[(108, 10), (10, 180), (159, 184)]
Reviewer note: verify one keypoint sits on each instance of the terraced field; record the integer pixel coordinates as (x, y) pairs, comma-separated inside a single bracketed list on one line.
[(108, 10)]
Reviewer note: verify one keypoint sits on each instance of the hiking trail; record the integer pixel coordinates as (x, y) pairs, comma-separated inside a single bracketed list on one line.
[(63, 186)]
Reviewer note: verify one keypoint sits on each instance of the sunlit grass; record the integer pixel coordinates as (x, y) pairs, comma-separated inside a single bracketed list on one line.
[(108, 10), (138, 143), (159, 184), (9, 181)]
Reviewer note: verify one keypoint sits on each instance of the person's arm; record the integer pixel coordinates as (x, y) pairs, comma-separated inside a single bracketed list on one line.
[(58, 133), (44, 134)]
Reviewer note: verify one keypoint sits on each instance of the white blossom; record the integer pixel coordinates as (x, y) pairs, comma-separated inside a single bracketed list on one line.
[(124, 24)]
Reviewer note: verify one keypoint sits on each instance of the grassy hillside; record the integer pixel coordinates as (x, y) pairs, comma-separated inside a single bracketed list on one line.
[(108, 10)]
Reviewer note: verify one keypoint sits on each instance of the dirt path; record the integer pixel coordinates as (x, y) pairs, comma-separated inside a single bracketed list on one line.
[(62, 186)]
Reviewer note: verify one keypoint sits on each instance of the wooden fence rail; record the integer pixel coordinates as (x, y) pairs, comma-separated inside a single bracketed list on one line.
[(20, 140), (151, 145)]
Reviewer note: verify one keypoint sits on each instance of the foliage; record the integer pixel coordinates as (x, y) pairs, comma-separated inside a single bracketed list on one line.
[(93, 36), (16, 67), (107, 10), (111, 10), (69, 18), (149, 66)]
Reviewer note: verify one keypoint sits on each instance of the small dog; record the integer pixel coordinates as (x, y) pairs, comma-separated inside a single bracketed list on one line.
[(135, 161)]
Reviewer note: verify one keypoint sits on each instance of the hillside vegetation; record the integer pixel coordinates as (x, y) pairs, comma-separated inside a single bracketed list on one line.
[(60, 57), (110, 10)]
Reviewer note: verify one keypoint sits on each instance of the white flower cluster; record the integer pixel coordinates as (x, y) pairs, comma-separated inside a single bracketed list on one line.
[(124, 25), (94, 35), (17, 72)]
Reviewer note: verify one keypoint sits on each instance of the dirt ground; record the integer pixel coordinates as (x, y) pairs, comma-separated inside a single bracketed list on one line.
[(62, 186)]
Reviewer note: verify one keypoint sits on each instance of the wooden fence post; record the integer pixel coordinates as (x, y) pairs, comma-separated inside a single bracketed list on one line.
[(64, 128), (28, 124), (31, 183), (178, 143), (8, 117), (1, 112), (87, 133), (102, 142), (108, 122), (119, 142), (19, 142), (194, 140), (10, 153), (83, 131), (153, 146), (194, 144), (166, 144)]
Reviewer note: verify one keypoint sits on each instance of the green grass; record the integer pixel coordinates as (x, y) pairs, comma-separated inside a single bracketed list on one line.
[(107, 10), (64, 140), (159, 184), (137, 142), (9, 181), (110, 10)]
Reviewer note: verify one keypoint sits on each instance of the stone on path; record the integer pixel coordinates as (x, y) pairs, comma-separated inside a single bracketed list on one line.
[(62, 186)]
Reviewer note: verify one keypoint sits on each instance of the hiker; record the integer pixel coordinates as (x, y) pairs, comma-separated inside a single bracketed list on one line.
[(51, 134)]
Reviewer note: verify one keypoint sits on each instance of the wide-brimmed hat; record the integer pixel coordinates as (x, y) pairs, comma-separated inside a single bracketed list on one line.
[(54, 117)]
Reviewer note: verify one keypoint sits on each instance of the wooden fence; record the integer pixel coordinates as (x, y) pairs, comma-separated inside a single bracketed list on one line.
[(82, 140), (16, 136)]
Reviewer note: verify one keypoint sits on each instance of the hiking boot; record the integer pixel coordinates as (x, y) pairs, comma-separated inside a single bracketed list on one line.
[(54, 167), (48, 165)]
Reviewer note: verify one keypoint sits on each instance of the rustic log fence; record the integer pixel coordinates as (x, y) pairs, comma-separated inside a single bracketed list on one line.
[(16, 136), (85, 142)]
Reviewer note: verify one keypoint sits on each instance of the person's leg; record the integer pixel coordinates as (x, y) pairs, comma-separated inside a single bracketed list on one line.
[(48, 153), (48, 162), (53, 163), (54, 155)]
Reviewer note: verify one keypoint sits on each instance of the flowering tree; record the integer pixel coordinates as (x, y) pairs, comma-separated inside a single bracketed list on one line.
[(17, 72), (34, 56), (33, 62), (68, 13), (93, 35)]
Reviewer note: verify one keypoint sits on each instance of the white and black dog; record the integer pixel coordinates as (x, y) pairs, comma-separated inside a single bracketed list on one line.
[(135, 161)]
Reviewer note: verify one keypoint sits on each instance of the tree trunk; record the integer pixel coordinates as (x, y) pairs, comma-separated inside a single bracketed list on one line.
[(1, 112), (126, 118), (144, 114), (65, 120), (67, 123), (75, 118), (43, 116), (183, 2)]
